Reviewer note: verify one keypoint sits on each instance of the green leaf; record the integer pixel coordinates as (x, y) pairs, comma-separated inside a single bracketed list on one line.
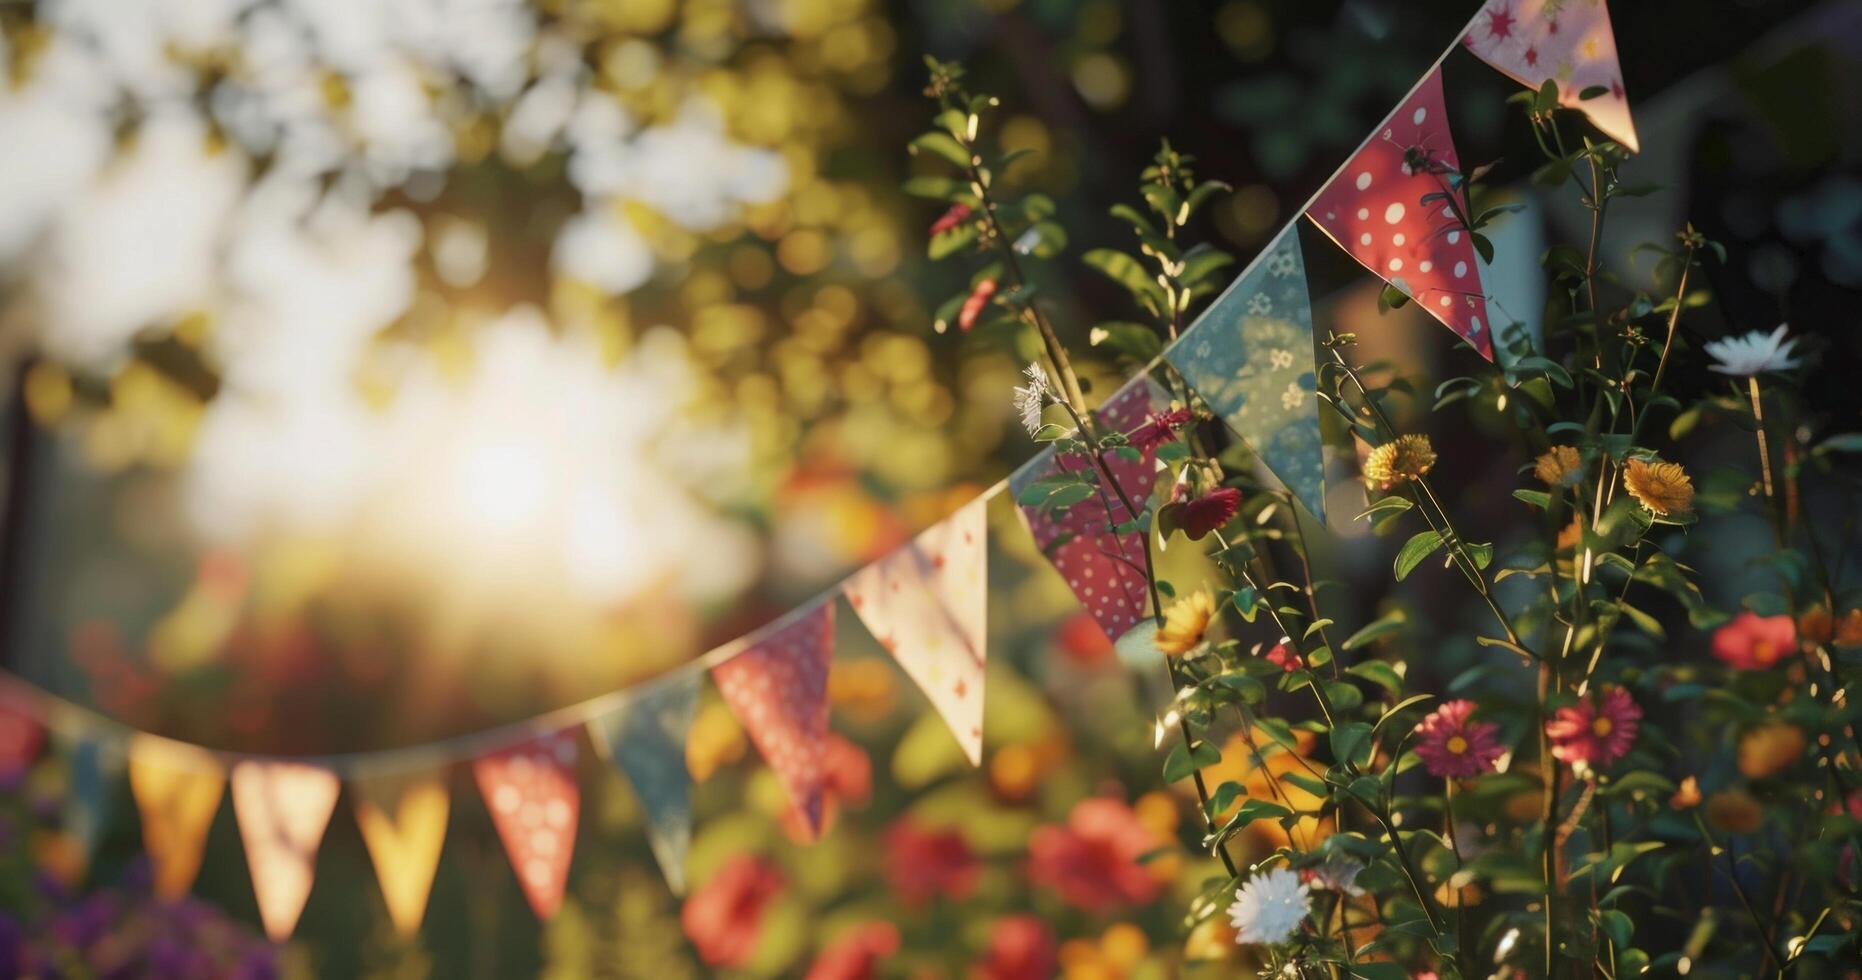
[(1182, 762), (1392, 504), (952, 241), (1417, 548), (1383, 625), (1133, 340), (939, 189), (1069, 495), (1124, 270), (942, 145), (1534, 498), (1351, 742), (1379, 673), (1223, 797)]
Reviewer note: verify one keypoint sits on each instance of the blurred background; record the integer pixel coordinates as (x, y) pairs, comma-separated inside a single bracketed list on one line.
[(384, 371)]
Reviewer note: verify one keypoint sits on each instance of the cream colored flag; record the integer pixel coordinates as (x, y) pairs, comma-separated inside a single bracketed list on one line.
[(403, 821), (927, 604), (283, 808), (177, 789)]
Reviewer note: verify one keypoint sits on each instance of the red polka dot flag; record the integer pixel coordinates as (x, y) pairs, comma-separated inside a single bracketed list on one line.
[(778, 689), (532, 795), (1104, 570), (1386, 208)]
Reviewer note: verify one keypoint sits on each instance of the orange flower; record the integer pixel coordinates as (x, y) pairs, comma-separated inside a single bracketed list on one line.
[(1664, 488), (1849, 629), (1687, 796), (1560, 466), (1770, 749), (1736, 811), (1404, 458)]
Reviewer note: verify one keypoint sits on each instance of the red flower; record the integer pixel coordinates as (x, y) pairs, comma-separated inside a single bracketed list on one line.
[(1196, 518), (1092, 859), (1284, 657), (1596, 731), (1084, 641), (1159, 429), (1021, 947), (922, 864), (856, 954), (974, 306), (957, 214), (1453, 747), (1754, 642), (724, 917)]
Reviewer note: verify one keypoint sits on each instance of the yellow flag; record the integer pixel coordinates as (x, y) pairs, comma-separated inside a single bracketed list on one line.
[(177, 790), (283, 808), (403, 823)]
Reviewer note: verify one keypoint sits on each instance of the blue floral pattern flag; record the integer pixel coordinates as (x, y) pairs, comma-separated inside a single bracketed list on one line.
[(646, 739), (1250, 356)]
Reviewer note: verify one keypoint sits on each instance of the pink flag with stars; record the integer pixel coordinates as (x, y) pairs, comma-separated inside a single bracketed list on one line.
[(1104, 570), (1567, 40), (927, 603), (778, 689), (1375, 210), (531, 792)]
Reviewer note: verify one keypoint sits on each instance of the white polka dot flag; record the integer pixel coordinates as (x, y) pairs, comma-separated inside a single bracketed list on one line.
[(778, 689), (282, 808), (531, 792), (1105, 570), (1566, 40), (927, 604), (403, 822), (1387, 208), (646, 738)]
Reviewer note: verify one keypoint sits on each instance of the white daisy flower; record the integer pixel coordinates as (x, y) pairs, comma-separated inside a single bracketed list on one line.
[(1753, 354), (1030, 400), (1270, 908)]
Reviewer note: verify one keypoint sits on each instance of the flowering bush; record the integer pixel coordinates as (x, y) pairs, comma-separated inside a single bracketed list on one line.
[(1541, 811)]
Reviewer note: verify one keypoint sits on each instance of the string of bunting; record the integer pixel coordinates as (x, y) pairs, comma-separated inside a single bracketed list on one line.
[(1249, 356)]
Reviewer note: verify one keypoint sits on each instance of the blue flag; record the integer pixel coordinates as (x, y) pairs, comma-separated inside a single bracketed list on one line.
[(1250, 356), (646, 739)]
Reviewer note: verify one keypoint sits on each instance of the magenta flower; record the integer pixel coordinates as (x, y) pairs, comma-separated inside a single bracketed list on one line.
[(1196, 518), (1596, 731), (1453, 747), (1159, 429), (957, 215)]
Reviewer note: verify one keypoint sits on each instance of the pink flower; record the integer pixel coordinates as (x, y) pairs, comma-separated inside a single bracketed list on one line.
[(957, 214), (974, 306), (724, 917), (1159, 429), (1196, 518), (922, 863), (1284, 657), (1454, 747), (1595, 731), (856, 954), (1021, 947), (1754, 642), (1092, 859)]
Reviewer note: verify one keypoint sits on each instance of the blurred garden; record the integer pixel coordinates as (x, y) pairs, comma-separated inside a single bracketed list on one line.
[(395, 382)]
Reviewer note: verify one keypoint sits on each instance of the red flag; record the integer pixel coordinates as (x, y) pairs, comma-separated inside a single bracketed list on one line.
[(1376, 210), (531, 792), (778, 690), (1104, 570)]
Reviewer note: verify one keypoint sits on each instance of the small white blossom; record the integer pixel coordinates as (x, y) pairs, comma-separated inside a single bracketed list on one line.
[(1270, 908), (1753, 354), (1030, 400)]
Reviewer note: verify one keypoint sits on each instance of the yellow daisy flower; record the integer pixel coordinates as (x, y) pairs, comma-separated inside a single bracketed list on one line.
[(1404, 458), (1664, 488), (1185, 621), (1560, 466)]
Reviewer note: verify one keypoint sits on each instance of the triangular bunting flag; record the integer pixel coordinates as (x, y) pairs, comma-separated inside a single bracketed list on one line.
[(283, 808), (927, 604), (93, 764), (1375, 209), (1250, 356), (1105, 570), (778, 690), (177, 789), (403, 821), (21, 737), (534, 801), (1567, 40), (646, 739)]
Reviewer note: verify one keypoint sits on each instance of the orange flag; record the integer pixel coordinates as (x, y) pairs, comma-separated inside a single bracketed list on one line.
[(403, 822), (177, 789), (534, 801), (283, 808)]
